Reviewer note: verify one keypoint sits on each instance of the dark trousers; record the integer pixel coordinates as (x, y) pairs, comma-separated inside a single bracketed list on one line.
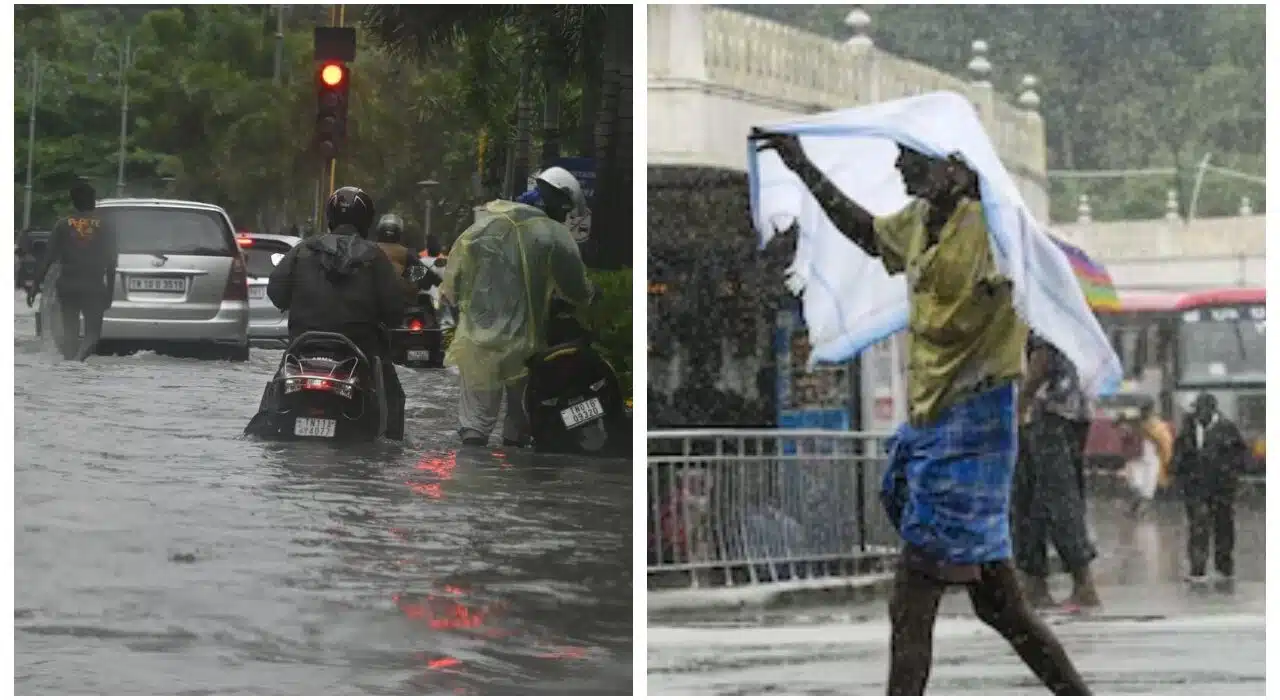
[(1211, 520), (997, 600), (76, 303), (1048, 502)]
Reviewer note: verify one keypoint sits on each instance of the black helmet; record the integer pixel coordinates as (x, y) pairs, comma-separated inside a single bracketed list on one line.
[(390, 228), (349, 206)]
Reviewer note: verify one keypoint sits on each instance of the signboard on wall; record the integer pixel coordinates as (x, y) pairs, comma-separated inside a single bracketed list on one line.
[(822, 399)]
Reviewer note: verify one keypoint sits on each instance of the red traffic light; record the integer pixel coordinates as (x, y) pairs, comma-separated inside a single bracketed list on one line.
[(333, 74)]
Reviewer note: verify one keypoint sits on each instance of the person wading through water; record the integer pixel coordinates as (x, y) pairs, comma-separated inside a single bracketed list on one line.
[(952, 463), (1048, 500), (85, 244)]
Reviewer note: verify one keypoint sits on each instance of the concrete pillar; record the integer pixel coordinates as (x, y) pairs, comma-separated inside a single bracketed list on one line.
[(1171, 206), (860, 22), (983, 94), (1029, 99), (1084, 212)]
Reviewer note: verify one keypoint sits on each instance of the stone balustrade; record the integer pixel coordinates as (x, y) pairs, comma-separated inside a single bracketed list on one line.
[(751, 70)]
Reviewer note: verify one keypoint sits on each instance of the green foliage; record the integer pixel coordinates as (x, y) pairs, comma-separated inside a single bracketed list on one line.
[(1121, 87), (609, 320), (207, 120)]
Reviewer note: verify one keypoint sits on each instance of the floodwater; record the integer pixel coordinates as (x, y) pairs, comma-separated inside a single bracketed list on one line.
[(158, 552), (1152, 636)]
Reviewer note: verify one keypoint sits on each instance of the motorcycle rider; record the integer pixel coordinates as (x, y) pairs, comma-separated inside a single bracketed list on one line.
[(340, 282), (389, 235), (85, 244), (501, 275)]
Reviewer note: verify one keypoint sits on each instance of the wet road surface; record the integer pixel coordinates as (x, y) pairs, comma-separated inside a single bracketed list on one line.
[(1152, 636), (157, 552)]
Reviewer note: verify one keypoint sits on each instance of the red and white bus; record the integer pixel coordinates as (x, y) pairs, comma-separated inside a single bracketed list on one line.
[(1175, 346)]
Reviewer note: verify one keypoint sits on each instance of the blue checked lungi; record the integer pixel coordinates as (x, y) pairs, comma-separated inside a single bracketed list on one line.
[(948, 485)]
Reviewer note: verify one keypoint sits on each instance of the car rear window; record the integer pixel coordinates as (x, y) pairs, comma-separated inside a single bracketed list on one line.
[(257, 255), (152, 230)]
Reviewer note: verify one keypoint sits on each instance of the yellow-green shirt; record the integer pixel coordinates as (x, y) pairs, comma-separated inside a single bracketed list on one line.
[(963, 335)]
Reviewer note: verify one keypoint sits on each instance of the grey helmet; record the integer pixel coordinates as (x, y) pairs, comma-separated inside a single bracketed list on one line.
[(390, 229)]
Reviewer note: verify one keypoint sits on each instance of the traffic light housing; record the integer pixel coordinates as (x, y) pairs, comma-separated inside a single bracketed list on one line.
[(333, 86)]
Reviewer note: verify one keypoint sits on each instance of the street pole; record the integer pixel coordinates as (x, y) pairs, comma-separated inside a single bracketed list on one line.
[(1195, 190), (426, 186), (126, 61), (279, 43), (31, 139)]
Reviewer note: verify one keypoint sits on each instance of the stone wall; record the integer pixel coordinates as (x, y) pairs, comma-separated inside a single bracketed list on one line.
[(714, 73), (1172, 254)]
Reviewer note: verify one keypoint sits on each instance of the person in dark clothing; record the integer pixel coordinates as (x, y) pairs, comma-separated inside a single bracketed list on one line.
[(340, 282), (1048, 499), (389, 235), (1208, 455), (85, 246)]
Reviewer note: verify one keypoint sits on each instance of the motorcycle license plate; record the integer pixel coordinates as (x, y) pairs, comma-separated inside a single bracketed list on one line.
[(315, 427), (580, 413), (418, 355)]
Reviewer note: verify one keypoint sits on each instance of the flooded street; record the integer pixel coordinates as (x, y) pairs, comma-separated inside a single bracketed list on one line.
[(1152, 636), (157, 552)]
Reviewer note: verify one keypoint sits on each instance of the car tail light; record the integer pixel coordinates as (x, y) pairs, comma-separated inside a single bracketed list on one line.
[(244, 242), (415, 325), (237, 282)]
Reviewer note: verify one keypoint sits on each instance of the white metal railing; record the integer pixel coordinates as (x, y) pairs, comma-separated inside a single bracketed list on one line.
[(744, 507)]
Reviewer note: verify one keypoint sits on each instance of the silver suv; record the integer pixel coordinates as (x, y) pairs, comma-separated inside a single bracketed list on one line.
[(181, 283)]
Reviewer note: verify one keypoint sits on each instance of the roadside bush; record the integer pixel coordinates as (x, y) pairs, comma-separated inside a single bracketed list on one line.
[(609, 320)]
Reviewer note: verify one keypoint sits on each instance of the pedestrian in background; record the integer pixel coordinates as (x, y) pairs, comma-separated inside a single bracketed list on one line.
[(1208, 455), (1048, 496), (1149, 470)]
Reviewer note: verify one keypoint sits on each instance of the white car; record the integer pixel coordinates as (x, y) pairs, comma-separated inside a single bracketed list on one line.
[(262, 251)]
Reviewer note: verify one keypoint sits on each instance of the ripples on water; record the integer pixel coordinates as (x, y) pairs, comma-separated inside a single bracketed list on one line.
[(157, 552)]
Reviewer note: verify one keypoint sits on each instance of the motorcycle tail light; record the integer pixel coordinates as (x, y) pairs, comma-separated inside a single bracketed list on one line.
[(345, 389)]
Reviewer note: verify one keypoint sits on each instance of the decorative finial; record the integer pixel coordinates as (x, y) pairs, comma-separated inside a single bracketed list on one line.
[(860, 22), (1171, 205), (1084, 212), (979, 65), (1029, 99)]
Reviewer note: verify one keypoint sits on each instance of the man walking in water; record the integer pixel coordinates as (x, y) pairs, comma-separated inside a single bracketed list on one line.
[(948, 486), (85, 245)]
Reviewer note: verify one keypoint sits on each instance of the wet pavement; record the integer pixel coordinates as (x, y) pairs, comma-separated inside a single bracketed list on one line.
[(1152, 636), (157, 552)]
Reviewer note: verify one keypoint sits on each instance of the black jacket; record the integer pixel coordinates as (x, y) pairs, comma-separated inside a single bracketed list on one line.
[(85, 244), (1197, 470), (340, 283)]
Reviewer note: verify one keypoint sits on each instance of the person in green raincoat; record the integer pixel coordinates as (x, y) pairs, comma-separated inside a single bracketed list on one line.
[(502, 273)]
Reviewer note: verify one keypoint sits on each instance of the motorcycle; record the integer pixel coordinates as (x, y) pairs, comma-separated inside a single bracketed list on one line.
[(418, 342), (573, 397), (324, 388)]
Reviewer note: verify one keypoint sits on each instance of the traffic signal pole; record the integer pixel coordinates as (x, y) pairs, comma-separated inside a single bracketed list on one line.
[(335, 48), (340, 15)]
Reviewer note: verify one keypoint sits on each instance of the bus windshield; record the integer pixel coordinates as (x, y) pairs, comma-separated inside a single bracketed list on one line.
[(1223, 345)]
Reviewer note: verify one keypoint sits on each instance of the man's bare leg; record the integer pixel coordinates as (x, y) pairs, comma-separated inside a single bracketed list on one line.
[(998, 601), (913, 610)]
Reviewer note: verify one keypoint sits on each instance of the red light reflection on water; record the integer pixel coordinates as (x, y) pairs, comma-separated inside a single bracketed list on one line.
[(443, 662), (443, 612), (441, 468)]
